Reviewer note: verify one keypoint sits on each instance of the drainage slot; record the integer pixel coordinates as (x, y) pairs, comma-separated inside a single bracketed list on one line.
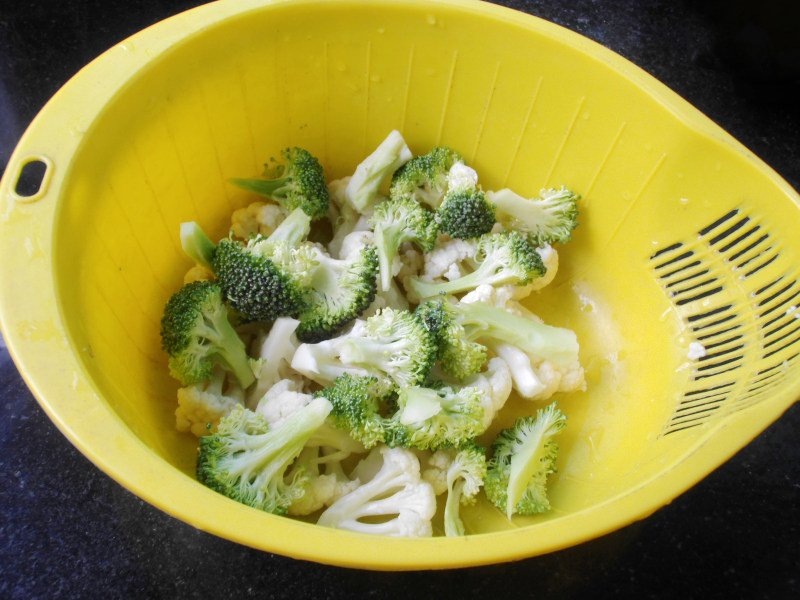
[(31, 177)]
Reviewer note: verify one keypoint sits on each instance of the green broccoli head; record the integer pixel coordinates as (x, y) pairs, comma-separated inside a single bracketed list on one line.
[(439, 416), (247, 461), (547, 219), (503, 258), (465, 214), (356, 402), (460, 357), (464, 480), (424, 177), (253, 284), (197, 336), (395, 344), (523, 457), (339, 291), (398, 220), (298, 182)]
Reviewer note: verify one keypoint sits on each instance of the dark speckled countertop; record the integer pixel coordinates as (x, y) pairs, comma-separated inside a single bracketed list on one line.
[(68, 531)]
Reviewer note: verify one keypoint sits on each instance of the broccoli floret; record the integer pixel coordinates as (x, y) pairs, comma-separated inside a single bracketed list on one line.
[(255, 286), (197, 335), (502, 258), (490, 325), (440, 416), (246, 461), (298, 183), (338, 292), (465, 477), (396, 221), (267, 277), (424, 178), (363, 186), (459, 356), (523, 456), (549, 218), (392, 345), (465, 214), (395, 343), (356, 402), (197, 245)]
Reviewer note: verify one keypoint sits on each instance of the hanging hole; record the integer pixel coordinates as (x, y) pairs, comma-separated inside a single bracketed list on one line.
[(31, 179)]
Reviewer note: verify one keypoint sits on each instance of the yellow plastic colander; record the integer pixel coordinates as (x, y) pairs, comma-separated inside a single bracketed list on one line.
[(682, 280)]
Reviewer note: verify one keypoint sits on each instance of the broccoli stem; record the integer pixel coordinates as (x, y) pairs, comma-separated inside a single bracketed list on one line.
[(365, 351), (262, 187), (488, 272), (453, 525), (293, 229), (527, 460), (386, 240), (420, 403), (197, 245), (556, 344), (220, 332)]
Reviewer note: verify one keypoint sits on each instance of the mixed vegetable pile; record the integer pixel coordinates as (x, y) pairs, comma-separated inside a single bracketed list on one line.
[(341, 351)]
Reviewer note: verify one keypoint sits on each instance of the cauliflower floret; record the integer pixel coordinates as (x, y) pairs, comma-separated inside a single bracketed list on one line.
[(444, 261), (499, 296), (273, 354), (354, 242), (411, 261), (496, 382), (204, 404), (323, 488), (391, 486), (281, 401), (434, 468), (537, 379), (460, 177), (346, 225), (258, 217)]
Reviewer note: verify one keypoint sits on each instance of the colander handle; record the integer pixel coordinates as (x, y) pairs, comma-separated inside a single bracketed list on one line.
[(30, 178)]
